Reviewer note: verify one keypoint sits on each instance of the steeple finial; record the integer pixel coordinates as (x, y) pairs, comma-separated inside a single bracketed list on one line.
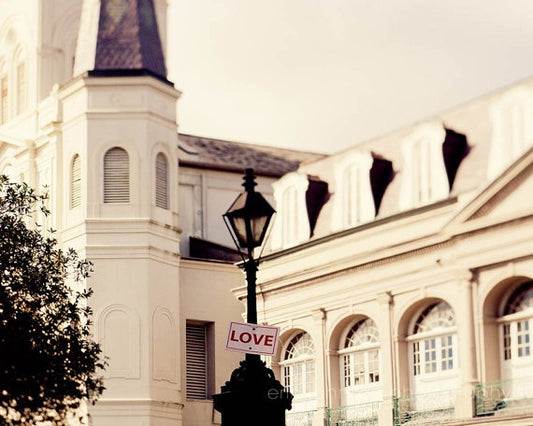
[(125, 42)]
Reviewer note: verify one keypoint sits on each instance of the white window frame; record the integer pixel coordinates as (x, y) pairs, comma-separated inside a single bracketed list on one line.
[(348, 355), (302, 366), (428, 343), (516, 345), (433, 341)]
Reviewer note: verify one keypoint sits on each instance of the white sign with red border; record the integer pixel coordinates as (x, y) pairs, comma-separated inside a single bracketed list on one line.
[(252, 338)]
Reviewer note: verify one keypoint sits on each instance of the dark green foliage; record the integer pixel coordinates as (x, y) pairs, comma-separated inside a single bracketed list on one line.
[(49, 363)]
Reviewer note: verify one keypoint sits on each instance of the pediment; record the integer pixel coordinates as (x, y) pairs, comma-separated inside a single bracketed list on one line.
[(507, 197)]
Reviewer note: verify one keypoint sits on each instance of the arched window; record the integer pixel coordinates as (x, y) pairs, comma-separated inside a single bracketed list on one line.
[(517, 321), (21, 84), (161, 181), (434, 340), (116, 176), (4, 93), (75, 182), (434, 357), (360, 354), (299, 365), (516, 335)]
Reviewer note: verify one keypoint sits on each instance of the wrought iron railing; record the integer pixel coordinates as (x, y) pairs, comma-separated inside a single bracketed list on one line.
[(353, 415), (427, 408), (303, 418), (505, 397)]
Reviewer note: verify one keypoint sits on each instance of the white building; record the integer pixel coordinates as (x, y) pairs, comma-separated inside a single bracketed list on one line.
[(404, 294), (400, 271)]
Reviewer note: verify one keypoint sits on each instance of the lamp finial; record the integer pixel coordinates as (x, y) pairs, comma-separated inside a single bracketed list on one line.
[(249, 180)]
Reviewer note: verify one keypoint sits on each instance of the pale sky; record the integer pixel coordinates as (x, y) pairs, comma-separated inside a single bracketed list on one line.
[(323, 75)]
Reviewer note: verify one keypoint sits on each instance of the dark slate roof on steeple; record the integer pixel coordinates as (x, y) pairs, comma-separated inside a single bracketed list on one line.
[(128, 39)]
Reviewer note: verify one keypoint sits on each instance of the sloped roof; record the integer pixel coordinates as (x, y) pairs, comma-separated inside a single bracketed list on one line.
[(472, 121), (128, 38), (197, 151)]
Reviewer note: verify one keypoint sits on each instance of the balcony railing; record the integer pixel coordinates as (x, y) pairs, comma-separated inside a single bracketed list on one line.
[(506, 397), (353, 415), (427, 408), (303, 418)]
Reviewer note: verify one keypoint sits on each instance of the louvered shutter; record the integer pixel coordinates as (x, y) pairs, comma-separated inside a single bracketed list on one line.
[(196, 361), (75, 182), (116, 176), (161, 181)]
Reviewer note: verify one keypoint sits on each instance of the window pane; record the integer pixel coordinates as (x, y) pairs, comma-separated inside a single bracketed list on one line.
[(362, 332), (522, 335), (373, 366), (430, 356), (347, 371), (416, 358), (446, 353), (439, 315), (310, 376), (297, 372), (359, 368), (507, 341), (287, 378)]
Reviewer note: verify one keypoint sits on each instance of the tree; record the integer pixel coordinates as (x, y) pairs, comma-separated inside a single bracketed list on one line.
[(49, 364)]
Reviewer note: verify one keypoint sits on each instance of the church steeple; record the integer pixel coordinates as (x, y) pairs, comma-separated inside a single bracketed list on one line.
[(119, 37)]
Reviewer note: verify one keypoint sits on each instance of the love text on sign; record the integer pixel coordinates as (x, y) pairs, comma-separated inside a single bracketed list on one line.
[(252, 338)]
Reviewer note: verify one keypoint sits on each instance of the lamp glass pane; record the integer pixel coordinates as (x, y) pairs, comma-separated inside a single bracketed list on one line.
[(258, 226), (239, 227)]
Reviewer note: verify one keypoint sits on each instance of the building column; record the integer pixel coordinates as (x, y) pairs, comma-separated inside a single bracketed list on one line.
[(385, 303), (322, 367), (464, 406)]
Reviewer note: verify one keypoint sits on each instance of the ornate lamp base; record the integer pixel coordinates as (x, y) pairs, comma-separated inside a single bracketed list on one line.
[(253, 396)]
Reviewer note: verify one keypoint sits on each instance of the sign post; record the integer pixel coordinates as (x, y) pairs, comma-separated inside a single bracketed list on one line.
[(252, 338)]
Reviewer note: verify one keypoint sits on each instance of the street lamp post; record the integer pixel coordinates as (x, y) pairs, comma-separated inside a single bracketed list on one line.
[(252, 396)]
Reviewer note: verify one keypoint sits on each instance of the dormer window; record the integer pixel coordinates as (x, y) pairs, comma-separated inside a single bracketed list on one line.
[(292, 222), (354, 201), (424, 177), (512, 129)]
